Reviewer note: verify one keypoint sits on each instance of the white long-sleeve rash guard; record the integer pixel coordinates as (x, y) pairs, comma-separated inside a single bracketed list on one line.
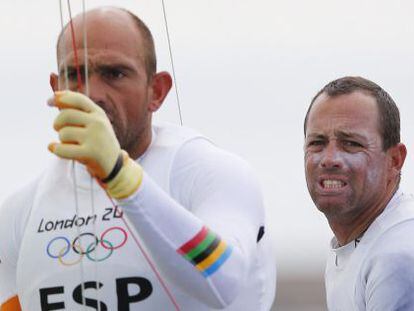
[(199, 212)]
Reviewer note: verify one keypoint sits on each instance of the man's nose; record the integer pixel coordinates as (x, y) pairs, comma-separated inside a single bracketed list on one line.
[(331, 156), (94, 88)]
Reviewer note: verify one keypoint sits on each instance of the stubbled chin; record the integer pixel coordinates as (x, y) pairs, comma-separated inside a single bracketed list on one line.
[(332, 204)]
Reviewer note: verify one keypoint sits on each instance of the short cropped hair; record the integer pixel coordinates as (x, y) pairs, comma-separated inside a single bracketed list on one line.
[(150, 57), (149, 46), (389, 115)]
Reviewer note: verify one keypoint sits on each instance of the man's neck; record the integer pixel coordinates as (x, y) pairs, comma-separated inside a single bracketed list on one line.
[(140, 148), (351, 228)]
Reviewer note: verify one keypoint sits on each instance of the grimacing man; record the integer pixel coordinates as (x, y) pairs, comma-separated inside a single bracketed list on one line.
[(198, 209), (353, 162)]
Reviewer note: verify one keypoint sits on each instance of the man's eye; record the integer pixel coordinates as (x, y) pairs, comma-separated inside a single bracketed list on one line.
[(351, 143), (315, 143), (113, 74), (72, 75)]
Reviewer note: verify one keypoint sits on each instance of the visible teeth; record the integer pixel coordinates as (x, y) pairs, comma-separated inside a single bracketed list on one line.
[(333, 184)]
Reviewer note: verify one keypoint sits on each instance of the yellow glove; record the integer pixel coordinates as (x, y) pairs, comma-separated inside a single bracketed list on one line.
[(87, 136)]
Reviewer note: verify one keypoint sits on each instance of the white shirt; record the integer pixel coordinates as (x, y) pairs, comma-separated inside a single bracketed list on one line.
[(189, 186), (376, 273)]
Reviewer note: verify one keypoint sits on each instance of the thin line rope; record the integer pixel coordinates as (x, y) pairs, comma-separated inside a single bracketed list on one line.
[(96, 248), (65, 65), (172, 61), (79, 86), (85, 49), (146, 256), (75, 50), (82, 268), (93, 209)]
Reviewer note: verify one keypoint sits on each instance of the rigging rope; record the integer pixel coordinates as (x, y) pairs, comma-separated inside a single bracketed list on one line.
[(172, 61), (79, 88)]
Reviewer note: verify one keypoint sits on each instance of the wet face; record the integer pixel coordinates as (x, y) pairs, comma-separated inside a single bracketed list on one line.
[(347, 172), (117, 78)]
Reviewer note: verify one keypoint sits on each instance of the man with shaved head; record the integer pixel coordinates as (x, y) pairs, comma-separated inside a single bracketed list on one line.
[(353, 162), (130, 215)]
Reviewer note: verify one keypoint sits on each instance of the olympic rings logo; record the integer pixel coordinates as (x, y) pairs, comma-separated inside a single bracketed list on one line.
[(59, 247)]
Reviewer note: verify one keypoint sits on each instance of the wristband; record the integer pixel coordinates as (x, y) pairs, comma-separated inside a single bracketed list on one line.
[(118, 165)]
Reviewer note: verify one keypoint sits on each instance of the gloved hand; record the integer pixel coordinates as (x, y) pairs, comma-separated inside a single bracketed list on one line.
[(87, 136)]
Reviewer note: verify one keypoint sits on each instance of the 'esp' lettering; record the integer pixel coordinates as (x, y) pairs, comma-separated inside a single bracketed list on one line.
[(125, 298), (44, 298), (78, 297)]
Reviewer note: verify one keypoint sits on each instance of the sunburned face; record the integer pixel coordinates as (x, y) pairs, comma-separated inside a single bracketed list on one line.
[(347, 172)]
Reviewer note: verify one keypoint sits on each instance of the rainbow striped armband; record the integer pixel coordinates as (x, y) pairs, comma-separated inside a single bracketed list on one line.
[(206, 251)]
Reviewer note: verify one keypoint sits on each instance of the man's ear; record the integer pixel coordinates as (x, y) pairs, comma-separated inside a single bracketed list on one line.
[(161, 84), (54, 81), (397, 154)]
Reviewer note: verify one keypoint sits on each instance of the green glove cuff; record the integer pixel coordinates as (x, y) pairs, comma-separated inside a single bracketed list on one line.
[(127, 181)]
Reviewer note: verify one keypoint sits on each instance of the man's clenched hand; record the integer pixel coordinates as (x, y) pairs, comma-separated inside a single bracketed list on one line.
[(86, 135)]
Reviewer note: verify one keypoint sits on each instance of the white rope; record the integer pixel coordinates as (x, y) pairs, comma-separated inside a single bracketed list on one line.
[(65, 65), (86, 90), (85, 49), (93, 210), (80, 249), (172, 61), (75, 185), (97, 246)]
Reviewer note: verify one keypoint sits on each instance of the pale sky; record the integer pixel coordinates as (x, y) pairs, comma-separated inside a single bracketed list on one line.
[(246, 71)]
